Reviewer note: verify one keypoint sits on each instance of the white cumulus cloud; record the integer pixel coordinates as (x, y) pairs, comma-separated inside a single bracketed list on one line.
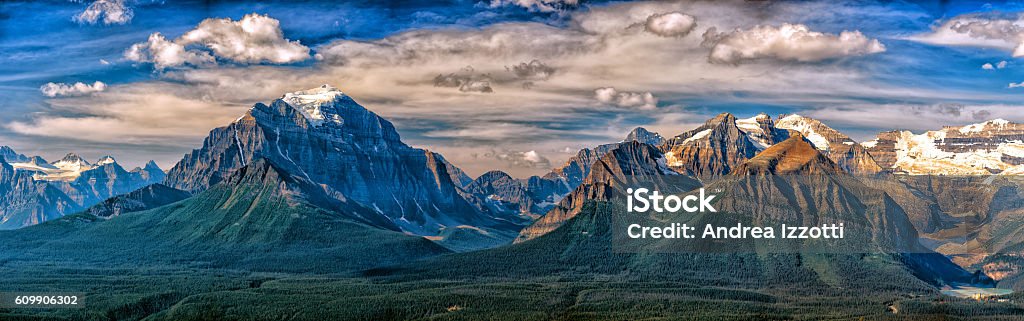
[(609, 95), (76, 89), (163, 53), (106, 11), (794, 42), (253, 39), (671, 24), (998, 65)]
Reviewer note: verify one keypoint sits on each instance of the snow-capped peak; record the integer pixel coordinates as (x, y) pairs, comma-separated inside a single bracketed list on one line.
[(311, 102), (105, 160), (806, 127), (71, 159), (979, 127), (72, 163)]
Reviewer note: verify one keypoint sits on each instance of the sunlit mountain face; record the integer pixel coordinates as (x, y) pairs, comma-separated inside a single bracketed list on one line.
[(472, 159)]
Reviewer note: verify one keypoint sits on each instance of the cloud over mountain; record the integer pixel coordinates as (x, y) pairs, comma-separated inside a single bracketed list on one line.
[(251, 40), (795, 42)]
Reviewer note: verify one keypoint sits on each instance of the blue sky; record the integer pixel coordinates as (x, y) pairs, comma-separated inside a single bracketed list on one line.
[(900, 66)]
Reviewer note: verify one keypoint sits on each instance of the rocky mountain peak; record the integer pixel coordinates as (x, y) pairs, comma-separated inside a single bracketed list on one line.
[(711, 150), (105, 160), (492, 176), (40, 162), (73, 164), (151, 165), (645, 136), (722, 119), (10, 156), (795, 155), (72, 158)]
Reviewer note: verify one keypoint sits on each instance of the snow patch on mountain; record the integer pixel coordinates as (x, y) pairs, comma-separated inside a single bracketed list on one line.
[(755, 133), (698, 135), (976, 149), (105, 160), (994, 124), (311, 103)]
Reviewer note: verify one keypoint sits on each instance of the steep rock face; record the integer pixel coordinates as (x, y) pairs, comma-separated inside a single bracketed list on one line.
[(842, 150), (883, 148), (990, 147), (711, 150), (142, 199), (612, 171), (460, 178), (323, 135)]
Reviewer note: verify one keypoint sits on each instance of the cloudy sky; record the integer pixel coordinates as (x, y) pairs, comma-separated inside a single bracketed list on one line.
[(517, 85)]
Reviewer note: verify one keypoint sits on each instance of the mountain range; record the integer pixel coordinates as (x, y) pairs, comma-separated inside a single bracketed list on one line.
[(34, 190), (286, 172)]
